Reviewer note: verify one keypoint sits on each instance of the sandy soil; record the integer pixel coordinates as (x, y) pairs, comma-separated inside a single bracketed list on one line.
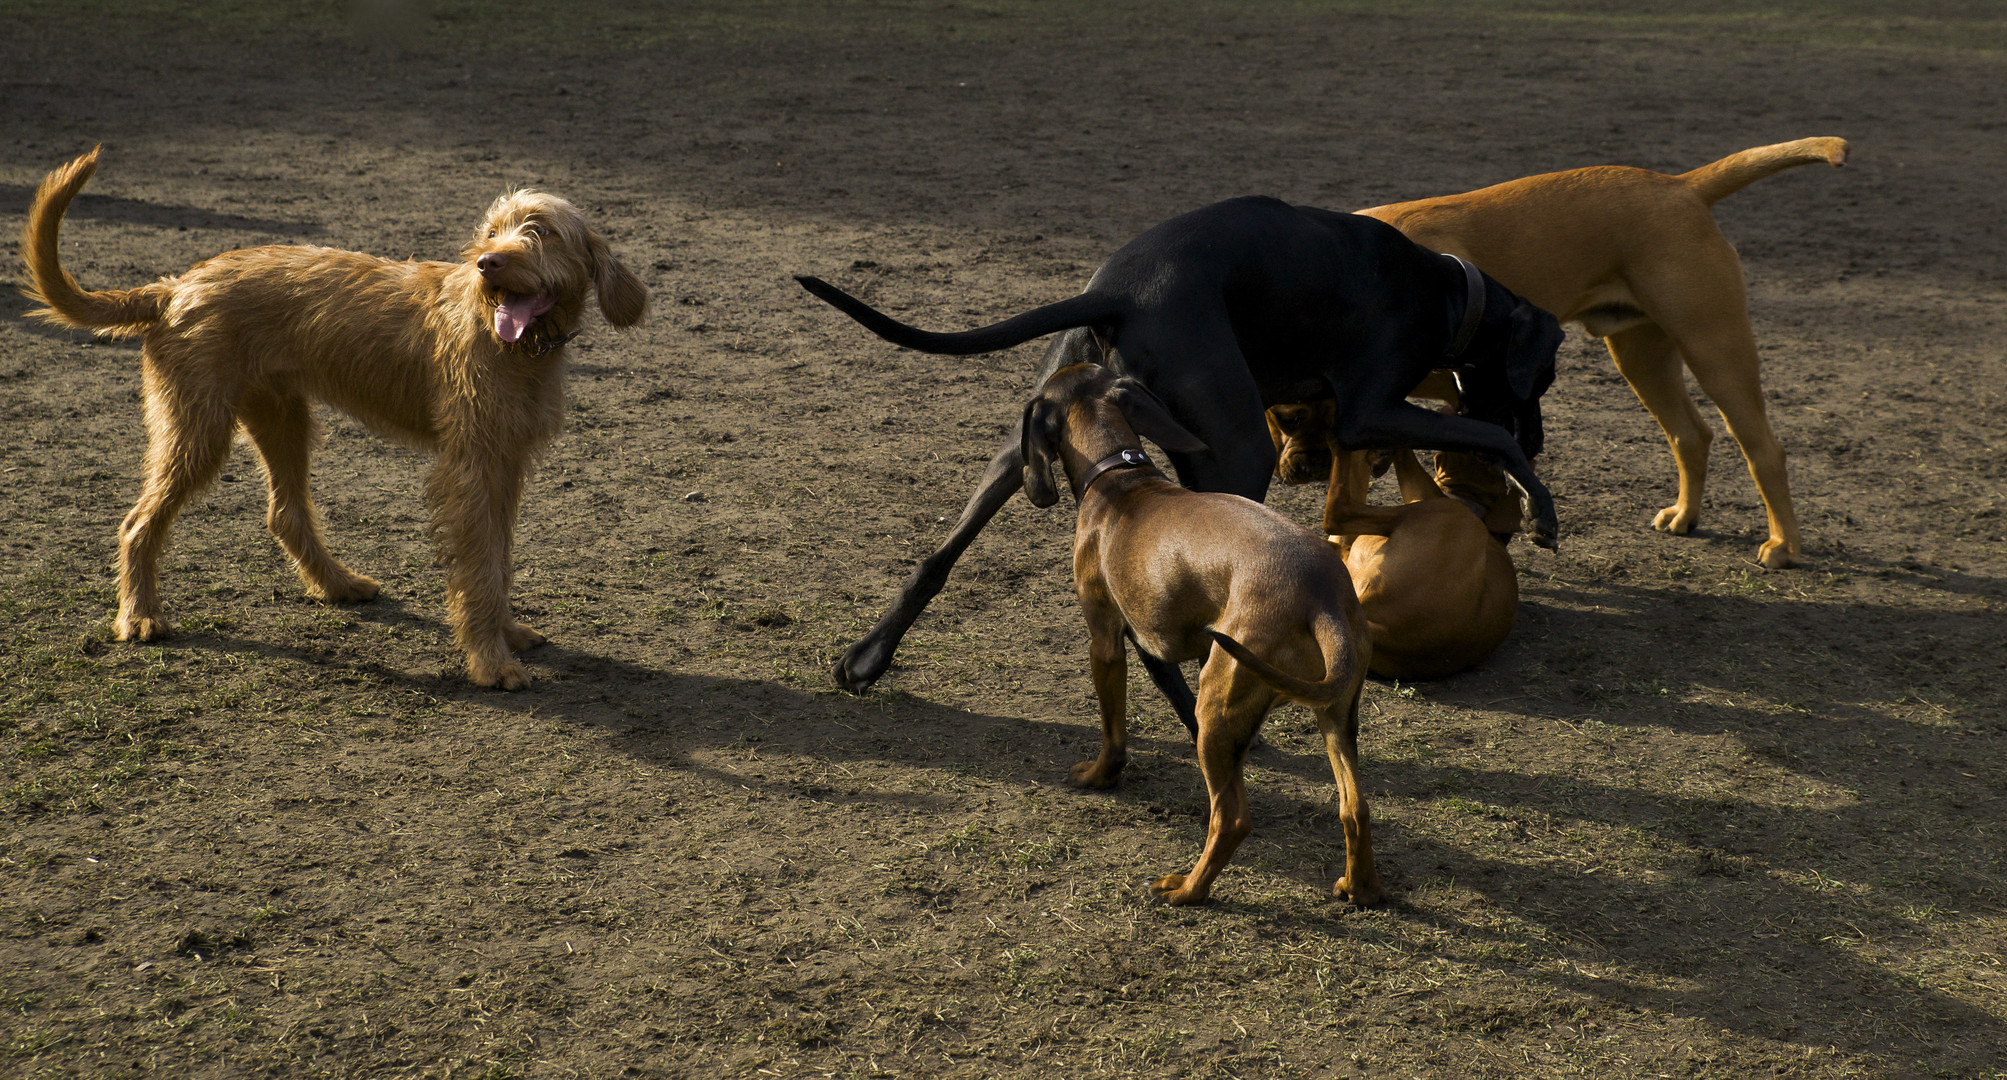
[(1695, 819)]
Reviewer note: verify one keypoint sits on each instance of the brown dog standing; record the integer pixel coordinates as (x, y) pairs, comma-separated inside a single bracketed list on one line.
[(1636, 258), (1433, 576), (466, 359), (1193, 575)]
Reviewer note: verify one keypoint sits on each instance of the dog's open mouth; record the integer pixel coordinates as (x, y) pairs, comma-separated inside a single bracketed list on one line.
[(514, 314)]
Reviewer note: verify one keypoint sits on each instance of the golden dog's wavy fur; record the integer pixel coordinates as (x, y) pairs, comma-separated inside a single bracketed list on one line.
[(411, 349)]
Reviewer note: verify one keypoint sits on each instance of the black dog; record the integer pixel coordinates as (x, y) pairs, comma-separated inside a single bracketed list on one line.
[(1250, 303)]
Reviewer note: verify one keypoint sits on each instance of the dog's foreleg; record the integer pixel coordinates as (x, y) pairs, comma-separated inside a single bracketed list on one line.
[(1405, 424), (1650, 362), (1108, 651), (474, 514)]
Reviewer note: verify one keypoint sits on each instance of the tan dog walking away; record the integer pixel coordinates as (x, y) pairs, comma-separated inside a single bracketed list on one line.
[(465, 359), (1433, 576), (1636, 257), (1190, 575)]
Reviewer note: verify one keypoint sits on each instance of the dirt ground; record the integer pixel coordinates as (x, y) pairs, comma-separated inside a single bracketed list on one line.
[(1695, 819)]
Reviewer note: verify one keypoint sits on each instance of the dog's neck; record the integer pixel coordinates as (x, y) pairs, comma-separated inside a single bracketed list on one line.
[(1473, 308), (1125, 458), (544, 336)]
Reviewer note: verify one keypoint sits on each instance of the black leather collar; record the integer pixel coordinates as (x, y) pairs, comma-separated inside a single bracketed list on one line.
[(1120, 459), (1473, 307)]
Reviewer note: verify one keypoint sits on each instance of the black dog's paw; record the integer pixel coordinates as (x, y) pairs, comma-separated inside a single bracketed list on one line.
[(862, 664)]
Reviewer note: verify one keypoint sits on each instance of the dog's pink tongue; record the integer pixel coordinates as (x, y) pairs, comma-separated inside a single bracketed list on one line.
[(515, 313)]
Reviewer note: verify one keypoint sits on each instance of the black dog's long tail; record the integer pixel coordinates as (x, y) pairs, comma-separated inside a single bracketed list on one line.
[(1087, 309)]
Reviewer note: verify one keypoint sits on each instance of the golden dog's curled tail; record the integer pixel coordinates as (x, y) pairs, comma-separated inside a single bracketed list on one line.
[(115, 313), (1737, 171), (1342, 666)]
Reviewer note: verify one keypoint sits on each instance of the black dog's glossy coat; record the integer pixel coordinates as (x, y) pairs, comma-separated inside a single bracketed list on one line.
[(1238, 306)]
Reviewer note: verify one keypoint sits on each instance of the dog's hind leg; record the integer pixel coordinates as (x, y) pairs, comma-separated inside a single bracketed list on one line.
[(1734, 386), (188, 437), (1705, 312), (282, 428), (865, 661), (1170, 681), (1196, 369), (1650, 362), (1340, 725), (1232, 701)]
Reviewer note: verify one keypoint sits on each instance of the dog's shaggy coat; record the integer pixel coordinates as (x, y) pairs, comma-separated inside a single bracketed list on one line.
[(464, 359)]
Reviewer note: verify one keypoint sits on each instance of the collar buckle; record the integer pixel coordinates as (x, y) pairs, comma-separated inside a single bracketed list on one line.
[(1120, 459)]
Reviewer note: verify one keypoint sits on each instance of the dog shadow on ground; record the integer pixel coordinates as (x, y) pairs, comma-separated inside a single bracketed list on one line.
[(1750, 892), (15, 199)]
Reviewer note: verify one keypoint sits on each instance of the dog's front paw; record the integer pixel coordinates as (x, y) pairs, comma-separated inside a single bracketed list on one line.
[(1096, 774), (353, 589), (506, 676), (1368, 896), (142, 628), (1676, 520), (1777, 555), (1171, 889), (521, 638)]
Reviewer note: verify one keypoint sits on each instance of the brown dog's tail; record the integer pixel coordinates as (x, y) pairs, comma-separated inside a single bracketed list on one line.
[(1340, 669), (1731, 174), (113, 314)]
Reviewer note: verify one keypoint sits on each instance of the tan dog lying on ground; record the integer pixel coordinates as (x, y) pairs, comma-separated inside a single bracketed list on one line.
[(464, 358), (1636, 258), (1190, 575), (1438, 589)]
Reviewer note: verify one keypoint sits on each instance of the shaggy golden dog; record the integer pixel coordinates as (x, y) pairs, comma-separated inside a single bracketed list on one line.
[(465, 359)]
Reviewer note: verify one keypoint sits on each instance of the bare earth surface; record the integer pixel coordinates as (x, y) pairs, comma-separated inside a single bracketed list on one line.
[(1695, 819)]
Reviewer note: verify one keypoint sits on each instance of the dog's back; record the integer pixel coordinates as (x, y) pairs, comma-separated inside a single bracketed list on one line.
[(1437, 586), (1179, 563), (1440, 594), (356, 331)]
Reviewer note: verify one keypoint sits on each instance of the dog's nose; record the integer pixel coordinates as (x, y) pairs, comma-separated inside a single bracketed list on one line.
[(491, 263)]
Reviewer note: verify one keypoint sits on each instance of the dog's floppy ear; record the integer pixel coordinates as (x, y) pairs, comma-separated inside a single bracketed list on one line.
[(623, 299), (1529, 356), (1036, 446), (1529, 370), (1149, 418)]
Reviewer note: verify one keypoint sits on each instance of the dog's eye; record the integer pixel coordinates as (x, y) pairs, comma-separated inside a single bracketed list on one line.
[(491, 234), (538, 230)]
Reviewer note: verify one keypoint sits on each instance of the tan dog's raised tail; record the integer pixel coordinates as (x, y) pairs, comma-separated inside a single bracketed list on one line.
[(465, 359), (1636, 257)]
